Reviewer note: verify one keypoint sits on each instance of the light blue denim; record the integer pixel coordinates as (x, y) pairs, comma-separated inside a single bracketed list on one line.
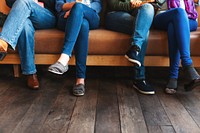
[(138, 26), (19, 28), (77, 25)]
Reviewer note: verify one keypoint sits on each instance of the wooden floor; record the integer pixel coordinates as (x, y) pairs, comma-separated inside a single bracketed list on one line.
[(111, 104)]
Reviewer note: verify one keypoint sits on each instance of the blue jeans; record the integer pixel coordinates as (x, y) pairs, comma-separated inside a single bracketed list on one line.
[(138, 26), (76, 27), (19, 28), (178, 27)]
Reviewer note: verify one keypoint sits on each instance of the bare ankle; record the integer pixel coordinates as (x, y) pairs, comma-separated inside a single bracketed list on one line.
[(80, 81), (3, 44)]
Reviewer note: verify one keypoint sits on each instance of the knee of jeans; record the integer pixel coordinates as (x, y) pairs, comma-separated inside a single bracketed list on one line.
[(23, 1), (77, 6), (85, 25), (28, 26), (148, 8), (179, 12)]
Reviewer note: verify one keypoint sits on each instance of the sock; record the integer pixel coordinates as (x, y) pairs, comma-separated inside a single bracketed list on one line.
[(64, 59), (191, 73), (172, 83)]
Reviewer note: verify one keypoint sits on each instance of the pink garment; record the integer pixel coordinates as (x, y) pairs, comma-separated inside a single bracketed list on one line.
[(189, 7)]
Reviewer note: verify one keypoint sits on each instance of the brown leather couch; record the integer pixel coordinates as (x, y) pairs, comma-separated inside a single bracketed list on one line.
[(106, 48)]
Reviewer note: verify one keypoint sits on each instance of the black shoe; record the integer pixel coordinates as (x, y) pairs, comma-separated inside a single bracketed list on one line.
[(143, 87), (132, 55), (190, 86)]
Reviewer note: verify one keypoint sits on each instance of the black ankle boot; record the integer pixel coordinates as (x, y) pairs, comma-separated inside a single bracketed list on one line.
[(193, 76), (190, 86)]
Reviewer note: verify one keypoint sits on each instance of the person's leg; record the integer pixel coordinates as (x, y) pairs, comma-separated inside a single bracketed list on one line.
[(182, 27), (78, 24), (139, 73), (165, 21), (120, 22), (142, 25), (174, 57), (23, 18), (73, 24), (124, 22), (176, 22), (81, 51), (190, 72), (20, 12), (26, 52), (179, 20), (26, 48), (78, 13)]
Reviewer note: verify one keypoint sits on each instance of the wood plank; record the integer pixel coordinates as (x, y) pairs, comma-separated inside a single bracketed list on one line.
[(131, 117), (4, 85), (154, 129), (58, 120), (178, 115), (14, 112), (83, 117), (167, 129), (41, 107), (191, 104), (153, 111), (161, 129), (10, 94), (107, 119)]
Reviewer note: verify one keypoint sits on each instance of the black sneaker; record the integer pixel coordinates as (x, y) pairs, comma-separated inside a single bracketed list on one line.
[(132, 55), (143, 87)]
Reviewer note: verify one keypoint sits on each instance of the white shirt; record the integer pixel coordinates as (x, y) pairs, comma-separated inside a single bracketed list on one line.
[(182, 4)]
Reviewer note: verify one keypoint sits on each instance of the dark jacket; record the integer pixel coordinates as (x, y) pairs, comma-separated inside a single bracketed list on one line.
[(189, 7), (119, 5), (49, 4)]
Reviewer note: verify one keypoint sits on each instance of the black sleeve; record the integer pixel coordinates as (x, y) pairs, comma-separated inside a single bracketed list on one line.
[(10, 3)]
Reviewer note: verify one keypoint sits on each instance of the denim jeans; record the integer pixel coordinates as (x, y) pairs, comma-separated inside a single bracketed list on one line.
[(178, 27), (76, 27), (138, 26), (19, 28)]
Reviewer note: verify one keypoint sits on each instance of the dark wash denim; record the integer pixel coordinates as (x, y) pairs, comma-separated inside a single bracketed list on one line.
[(178, 26), (77, 25)]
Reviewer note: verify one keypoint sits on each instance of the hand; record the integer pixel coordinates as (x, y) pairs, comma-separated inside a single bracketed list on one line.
[(68, 6), (149, 1), (79, 1), (136, 3), (67, 14)]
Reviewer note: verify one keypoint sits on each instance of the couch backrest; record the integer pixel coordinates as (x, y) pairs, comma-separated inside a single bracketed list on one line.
[(103, 12)]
